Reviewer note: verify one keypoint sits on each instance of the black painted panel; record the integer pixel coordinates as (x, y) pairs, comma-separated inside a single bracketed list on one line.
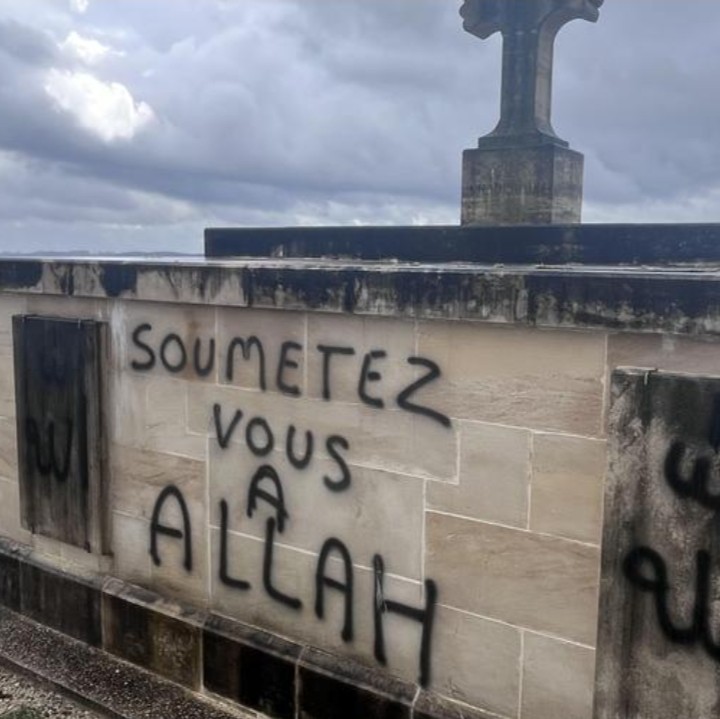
[(61, 601), (255, 678), (10, 582), (57, 389), (325, 697)]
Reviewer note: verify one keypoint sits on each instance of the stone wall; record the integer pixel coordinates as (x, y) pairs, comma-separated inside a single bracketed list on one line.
[(454, 465)]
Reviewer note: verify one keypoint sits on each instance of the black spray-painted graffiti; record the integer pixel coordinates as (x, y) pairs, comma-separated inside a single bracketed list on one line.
[(49, 448), (300, 447), (172, 354), (690, 478)]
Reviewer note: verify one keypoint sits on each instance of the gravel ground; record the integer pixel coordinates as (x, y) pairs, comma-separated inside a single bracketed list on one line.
[(21, 698)]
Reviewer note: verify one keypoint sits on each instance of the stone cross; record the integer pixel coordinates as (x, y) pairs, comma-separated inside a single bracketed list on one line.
[(522, 172), (529, 28)]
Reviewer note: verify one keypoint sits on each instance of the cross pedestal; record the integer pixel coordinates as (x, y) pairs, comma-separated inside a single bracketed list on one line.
[(522, 172)]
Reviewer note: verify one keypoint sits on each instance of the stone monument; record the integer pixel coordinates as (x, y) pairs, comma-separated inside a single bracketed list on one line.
[(522, 172)]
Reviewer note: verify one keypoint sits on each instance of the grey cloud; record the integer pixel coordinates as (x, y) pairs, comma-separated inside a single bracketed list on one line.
[(26, 44), (275, 111)]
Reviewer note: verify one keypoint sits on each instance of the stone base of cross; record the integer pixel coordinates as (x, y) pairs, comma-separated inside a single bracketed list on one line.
[(540, 185), (522, 172)]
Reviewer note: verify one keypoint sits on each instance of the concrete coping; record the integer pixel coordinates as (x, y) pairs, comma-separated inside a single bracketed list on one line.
[(642, 278)]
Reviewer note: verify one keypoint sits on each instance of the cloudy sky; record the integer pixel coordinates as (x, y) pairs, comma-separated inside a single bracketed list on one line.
[(131, 125)]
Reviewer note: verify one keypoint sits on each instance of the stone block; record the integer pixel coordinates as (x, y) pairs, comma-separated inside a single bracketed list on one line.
[(432, 706), (494, 476), (249, 667), (519, 577), (567, 486), (7, 387), (61, 601), (540, 379), (393, 441), (69, 307), (156, 339), (131, 548), (394, 338), (166, 421), (126, 408), (10, 525), (378, 513), (159, 643), (667, 352), (8, 449), (138, 479), (657, 637), (557, 679), (10, 581), (293, 573), (535, 185), (272, 329), (322, 696), (477, 661)]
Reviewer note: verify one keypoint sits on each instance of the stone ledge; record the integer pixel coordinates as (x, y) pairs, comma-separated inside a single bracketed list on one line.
[(620, 244), (192, 651), (677, 299)]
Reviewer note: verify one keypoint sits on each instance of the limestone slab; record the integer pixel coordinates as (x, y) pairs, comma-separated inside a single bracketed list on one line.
[(515, 576), (166, 420), (161, 340), (567, 486), (547, 380), (10, 525), (138, 477), (272, 329), (293, 573), (390, 440), (557, 679), (478, 661), (392, 341), (379, 512), (131, 548), (7, 386), (8, 449), (494, 476)]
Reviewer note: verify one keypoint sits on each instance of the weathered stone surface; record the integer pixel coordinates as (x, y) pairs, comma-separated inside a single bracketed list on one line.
[(522, 185), (155, 641), (390, 440), (567, 486), (58, 369), (250, 667), (294, 575), (139, 478), (61, 601), (10, 525), (394, 338), (8, 449), (239, 365), (541, 380), (522, 173), (379, 512), (478, 661), (525, 579), (657, 642), (557, 679), (494, 476)]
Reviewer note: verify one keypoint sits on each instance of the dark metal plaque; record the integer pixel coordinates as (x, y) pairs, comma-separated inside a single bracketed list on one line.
[(58, 397)]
